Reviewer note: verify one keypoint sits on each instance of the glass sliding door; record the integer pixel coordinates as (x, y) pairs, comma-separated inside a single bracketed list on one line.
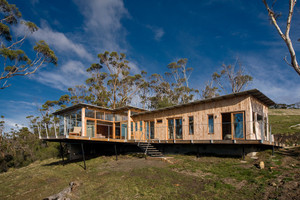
[(238, 125), (90, 128), (124, 131), (178, 128), (175, 127)]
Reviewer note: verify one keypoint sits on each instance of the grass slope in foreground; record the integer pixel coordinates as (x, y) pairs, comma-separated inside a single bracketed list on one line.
[(134, 178)]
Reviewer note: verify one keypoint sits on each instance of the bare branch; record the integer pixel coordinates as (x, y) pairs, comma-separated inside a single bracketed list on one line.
[(286, 36)]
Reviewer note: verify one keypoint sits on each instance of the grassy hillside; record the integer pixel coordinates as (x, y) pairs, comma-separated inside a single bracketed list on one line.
[(284, 120), (134, 178)]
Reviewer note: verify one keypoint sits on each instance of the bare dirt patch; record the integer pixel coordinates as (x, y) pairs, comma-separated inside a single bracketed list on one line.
[(133, 163)]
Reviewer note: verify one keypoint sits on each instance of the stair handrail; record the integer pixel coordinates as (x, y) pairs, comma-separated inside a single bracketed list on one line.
[(140, 139)]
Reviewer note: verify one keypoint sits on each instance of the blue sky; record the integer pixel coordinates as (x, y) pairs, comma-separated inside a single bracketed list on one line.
[(152, 34)]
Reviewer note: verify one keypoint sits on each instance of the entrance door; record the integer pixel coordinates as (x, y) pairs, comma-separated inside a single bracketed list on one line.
[(124, 131), (238, 125)]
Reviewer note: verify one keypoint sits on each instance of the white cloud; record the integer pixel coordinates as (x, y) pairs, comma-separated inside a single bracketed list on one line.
[(273, 78), (56, 40), (158, 32), (26, 104), (134, 68), (103, 22), (67, 75)]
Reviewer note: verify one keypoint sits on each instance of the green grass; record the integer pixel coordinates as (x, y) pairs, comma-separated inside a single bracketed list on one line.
[(137, 178), (283, 123)]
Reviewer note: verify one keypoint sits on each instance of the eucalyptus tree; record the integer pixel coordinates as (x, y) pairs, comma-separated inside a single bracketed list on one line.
[(209, 90), (98, 93), (162, 95), (178, 77), (233, 77), (15, 61), (120, 85), (144, 91)]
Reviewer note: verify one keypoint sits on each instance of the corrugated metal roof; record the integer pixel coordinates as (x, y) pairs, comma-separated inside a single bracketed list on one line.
[(254, 92)]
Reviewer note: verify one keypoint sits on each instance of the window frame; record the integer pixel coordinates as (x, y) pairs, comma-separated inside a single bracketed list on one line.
[(213, 124), (193, 125)]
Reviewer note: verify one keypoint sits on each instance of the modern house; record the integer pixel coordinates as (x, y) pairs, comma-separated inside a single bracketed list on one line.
[(238, 119)]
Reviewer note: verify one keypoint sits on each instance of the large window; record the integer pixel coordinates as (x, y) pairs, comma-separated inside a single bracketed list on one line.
[(108, 116), (136, 126), (210, 123), (141, 126), (238, 125), (69, 122), (99, 115), (191, 125), (89, 113)]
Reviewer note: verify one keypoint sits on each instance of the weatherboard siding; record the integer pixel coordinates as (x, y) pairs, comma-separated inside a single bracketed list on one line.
[(200, 113)]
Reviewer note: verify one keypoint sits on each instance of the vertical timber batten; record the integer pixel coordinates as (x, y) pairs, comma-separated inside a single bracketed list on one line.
[(129, 125), (114, 128)]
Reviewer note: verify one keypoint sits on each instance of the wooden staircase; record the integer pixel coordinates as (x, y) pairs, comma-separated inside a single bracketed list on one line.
[(149, 149)]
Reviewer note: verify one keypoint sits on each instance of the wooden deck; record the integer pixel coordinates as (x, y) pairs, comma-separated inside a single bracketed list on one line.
[(79, 139)]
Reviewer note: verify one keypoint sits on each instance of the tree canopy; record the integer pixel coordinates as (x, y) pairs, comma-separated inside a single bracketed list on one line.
[(15, 60)]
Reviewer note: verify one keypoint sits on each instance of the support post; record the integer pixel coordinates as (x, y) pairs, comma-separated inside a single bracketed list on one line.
[(83, 157), (243, 153), (273, 150), (62, 153), (197, 151), (116, 152)]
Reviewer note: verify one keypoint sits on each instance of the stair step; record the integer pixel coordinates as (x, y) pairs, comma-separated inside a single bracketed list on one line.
[(152, 151)]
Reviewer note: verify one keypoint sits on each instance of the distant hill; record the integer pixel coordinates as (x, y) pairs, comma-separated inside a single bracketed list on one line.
[(284, 111)]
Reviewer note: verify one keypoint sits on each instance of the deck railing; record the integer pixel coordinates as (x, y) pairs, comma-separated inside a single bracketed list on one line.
[(248, 130)]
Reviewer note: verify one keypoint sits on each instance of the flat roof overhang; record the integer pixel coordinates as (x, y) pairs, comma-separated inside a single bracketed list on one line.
[(84, 105)]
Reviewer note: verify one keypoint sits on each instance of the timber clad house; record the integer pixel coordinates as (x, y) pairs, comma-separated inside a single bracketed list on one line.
[(234, 120)]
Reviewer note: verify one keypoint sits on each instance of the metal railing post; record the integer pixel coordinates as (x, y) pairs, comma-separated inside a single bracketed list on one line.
[(262, 132)]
